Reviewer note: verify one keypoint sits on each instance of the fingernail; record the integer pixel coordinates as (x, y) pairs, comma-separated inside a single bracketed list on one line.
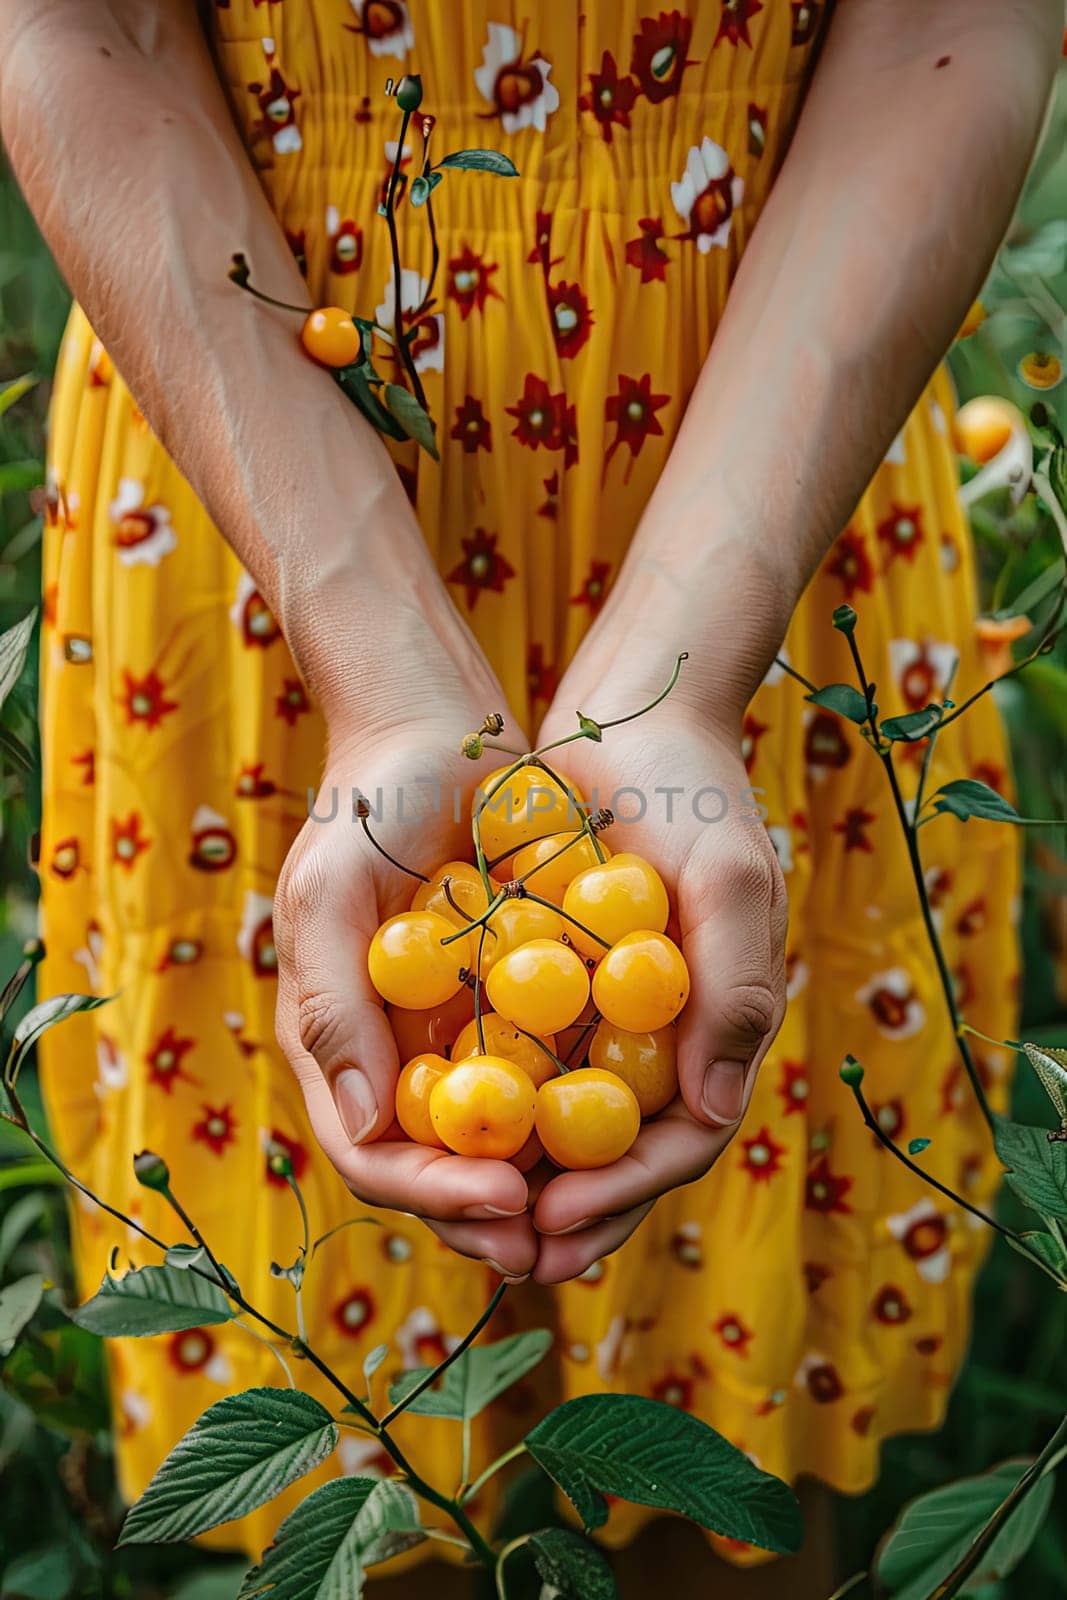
[(575, 1227), (479, 1211), (723, 1096), (356, 1105), (502, 1272)]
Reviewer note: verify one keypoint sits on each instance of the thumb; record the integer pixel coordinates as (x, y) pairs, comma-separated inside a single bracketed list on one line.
[(735, 953)]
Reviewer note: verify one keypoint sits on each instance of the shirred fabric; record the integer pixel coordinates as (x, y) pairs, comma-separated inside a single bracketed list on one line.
[(809, 1296)]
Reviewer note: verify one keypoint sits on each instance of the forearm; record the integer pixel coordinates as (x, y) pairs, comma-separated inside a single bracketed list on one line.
[(122, 139), (897, 188)]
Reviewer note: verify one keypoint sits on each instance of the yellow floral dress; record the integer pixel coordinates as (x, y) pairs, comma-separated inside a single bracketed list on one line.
[(809, 1296)]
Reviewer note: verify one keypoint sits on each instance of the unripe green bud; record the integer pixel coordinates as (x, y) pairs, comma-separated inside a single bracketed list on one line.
[(851, 1072), (151, 1171), (409, 92)]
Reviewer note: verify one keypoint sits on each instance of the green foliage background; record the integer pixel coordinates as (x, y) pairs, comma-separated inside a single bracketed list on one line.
[(59, 1511)]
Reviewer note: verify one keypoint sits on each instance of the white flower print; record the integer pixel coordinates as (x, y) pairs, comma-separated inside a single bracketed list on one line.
[(782, 840), (610, 1349), (519, 89), (707, 195), (893, 1003), (923, 1231), (255, 940), (111, 1069), (922, 669), (897, 453), (419, 1325), (143, 533), (386, 26), (428, 347), (360, 1456)]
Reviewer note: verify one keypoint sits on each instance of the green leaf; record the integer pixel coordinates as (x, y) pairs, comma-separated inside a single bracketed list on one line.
[(481, 161), (150, 1300), (1048, 1247), (934, 1532), (373, 1360), (420, 191), (16, 389), (655, 1455), (43, 1017), (243, 1451), (1037, 1169), (967, 797), (913, 725), (571, 1566), (389, 1522), (413, 418), (13, 647), (917, 1146), (18, 1302), (842, 698), (184, 1256), (475, 1378), (355, 382), (318, 1551), (590, 728), (45, 1573), (1050, 1064)]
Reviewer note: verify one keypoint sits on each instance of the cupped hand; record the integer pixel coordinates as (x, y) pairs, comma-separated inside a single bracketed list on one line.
[(334, 891), (682, 781)]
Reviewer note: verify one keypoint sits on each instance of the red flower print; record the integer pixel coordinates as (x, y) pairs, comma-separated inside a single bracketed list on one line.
[(346, 246), (645, 251), (986, 772), (191, 1349), (851, 563), (673, 1390), (542, 679), (277, 103), (180, 953), (594, 588), (795, 1087), (570, 435), (571, 317), (923, 1232), (733, 24), (549, 507), (824, 1383), (164, 1060), (610, 97), (891, 1306), (66, 858), (292, 703), (901, 532), (472, 427), (733, 1333), (293, 1149), (541, 252), (127, 841), (862, 1419), (541, 417), (825, 1192), (482, 567), (212, 845), (974, 918), (354, 1314), (815, 1275), (853, 829), (889, 1116), (805, 20), (297, 243), (762, 1156), (144, 699), (686, 1247), (252, 784), (752, 731), (633, 411), (87, 761), (658, 59), (929, 1344), (757, 130), (894, 1005), (921, 669), (468, 281), (217, 1128), (825, 746), (252, 615)]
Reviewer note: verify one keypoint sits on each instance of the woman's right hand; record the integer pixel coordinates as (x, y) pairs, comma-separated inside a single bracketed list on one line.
[(334, 891)]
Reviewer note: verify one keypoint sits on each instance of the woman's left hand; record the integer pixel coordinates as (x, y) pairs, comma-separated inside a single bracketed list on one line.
[(701, 828)]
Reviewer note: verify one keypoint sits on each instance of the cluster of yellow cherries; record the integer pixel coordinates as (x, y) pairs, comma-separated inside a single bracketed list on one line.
[(533, 994)]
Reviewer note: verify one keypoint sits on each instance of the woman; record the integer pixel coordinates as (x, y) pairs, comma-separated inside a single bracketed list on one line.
[(664, 364)]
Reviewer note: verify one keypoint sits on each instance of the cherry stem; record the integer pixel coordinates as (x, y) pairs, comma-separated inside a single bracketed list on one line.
[(382, 851), (269, 300), (403, 354), (479, 1028), (585, 824), (561, 1065), (583, 1029), (1006, 1044), (780, 661), (435, 1373), (575, 838), (539, 900)]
